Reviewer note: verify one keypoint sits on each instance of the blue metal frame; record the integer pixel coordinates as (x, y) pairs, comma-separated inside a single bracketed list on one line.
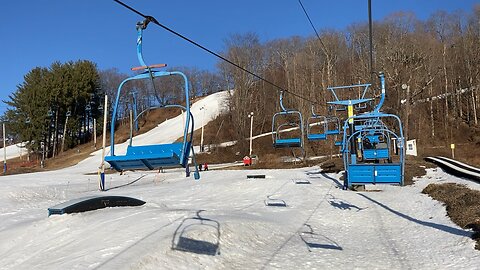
[(370, 170), (154, 156), (362, 99), (357, 129)]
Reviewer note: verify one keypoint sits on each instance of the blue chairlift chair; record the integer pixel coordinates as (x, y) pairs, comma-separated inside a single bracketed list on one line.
[(333, 125), (280, 128), (151, 157), (369, 170), (372, 127), (319, 126), (316, 127)]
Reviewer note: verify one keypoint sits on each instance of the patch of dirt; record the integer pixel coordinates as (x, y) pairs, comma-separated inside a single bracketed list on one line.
[(334, 165), (462, 204), (415, 167)]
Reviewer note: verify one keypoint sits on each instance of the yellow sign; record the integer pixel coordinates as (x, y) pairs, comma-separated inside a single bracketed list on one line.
[(452, 146), (350, 113)]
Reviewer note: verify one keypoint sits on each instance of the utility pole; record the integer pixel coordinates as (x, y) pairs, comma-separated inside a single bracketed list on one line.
[(407, 108), (250, 115), (4, 151), (370, 33), (202, 148), (104, 142)]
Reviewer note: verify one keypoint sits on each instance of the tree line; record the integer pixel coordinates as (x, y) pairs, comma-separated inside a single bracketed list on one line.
[(55, 108), (438, 59), (41, 104)]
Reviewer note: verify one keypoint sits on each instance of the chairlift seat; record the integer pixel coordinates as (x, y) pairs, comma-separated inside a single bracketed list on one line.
[(317, 137), (370, 154), (338, 143), (150, 157), (285, 143), (332, 132)]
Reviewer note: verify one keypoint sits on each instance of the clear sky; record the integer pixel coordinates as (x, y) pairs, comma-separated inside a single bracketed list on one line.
[(39, 32)]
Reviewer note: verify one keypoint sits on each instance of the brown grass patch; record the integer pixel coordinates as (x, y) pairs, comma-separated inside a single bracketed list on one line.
[(462, 204)]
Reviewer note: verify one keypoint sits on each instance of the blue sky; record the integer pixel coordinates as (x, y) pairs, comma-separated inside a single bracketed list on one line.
[(39, 32)]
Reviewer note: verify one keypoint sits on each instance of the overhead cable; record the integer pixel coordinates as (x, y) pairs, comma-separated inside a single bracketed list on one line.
[(314, 29), (154, 21)]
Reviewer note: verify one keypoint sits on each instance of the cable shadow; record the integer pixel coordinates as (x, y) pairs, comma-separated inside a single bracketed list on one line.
[(127, 184), (440, 227), (339, 185), (197, 235), (314, 241)]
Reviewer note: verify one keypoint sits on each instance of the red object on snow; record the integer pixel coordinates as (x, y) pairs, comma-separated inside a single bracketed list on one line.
[(247, 161)]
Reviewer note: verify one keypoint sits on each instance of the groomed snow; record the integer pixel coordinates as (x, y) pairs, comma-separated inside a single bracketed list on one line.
[(13, 151), (222, 222)]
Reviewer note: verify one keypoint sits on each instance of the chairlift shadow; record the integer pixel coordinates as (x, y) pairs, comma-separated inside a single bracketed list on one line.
[(316, 241), (197, 235), (313, 172), (275, 202), (301, 181), (342, 205)]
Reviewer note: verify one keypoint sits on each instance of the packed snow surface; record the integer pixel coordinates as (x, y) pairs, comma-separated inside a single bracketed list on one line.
[(222, 221), (13, 151)]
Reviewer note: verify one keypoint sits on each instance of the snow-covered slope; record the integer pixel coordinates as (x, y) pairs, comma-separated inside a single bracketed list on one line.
[(13, 151), (222, 222), (166, 132)]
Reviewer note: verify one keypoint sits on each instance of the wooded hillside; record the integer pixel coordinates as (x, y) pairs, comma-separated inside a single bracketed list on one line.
[(439, 59)]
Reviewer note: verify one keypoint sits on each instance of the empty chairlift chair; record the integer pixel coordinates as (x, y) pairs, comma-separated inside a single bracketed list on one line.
[(316, 127), (150, 157), (282, 127), (333, 125)]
